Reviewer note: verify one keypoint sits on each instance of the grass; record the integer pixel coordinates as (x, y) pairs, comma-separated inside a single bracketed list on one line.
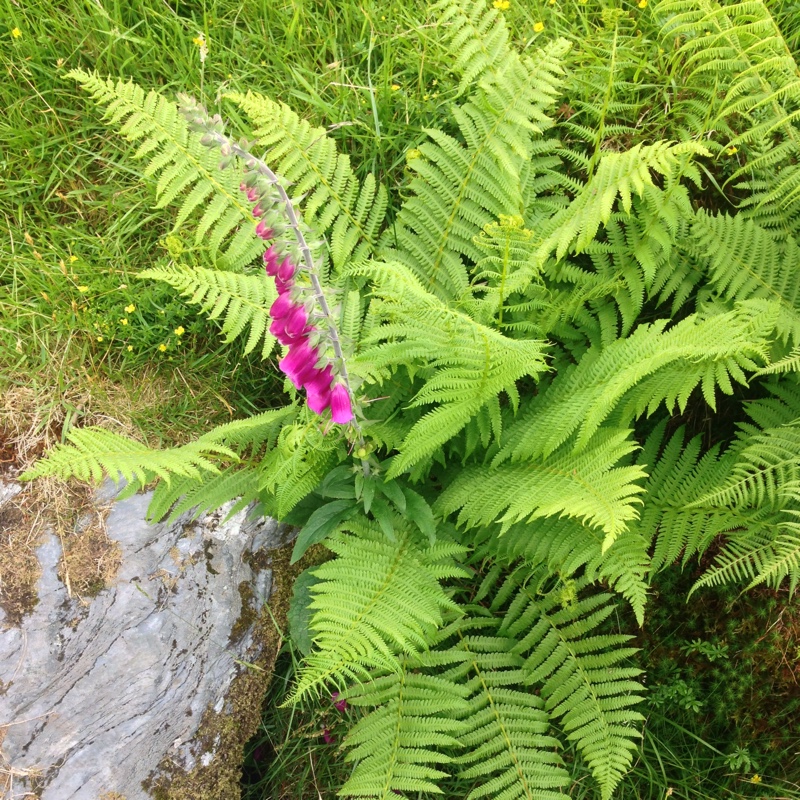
[(81, 338), (79, 221)]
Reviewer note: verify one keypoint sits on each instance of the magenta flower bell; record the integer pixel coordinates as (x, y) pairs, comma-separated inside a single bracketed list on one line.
[(281, 307), (318, 401), (299, 364), (263, 231), (341, 408), (271, 260), (286, 270)]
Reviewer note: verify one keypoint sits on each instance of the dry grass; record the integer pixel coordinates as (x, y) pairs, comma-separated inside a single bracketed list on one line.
[(33, 419)]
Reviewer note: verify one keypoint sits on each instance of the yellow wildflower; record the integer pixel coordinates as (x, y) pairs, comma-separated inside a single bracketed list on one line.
[(552, 2), (179, 331), (130, 348), (413, 153), (83, 289), (130, 309), (16, 33), (99, 338), (756, 778), (73, 259), (642, 4), (162, 347), (395, 87), (123, 321), (732, 150), (538, 27), (501, 5)]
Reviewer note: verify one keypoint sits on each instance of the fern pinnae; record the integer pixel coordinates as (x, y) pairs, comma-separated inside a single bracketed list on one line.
[(336, 203), (244, 300), (580, 677), (413, 721), (182, 164), (508, 752), (90, 453)]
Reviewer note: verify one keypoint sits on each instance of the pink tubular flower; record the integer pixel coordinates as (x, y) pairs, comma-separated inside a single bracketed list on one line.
[(281, 307), (296, 321), (318, 402), (299, 364), (252, 195), (339, 705), (264, 232), (283, 287), (286, 270), (328, 736), (271, 261), (321, 381), (258, 212), (278, 329), (341, 408)]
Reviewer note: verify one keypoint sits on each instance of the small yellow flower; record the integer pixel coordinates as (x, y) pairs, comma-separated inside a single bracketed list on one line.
[(395, 87), (538, 27), (756, 778), (413, 153), (73, 259), (130, 348), (83, 289), (732, 150), (502, 5), (130, 309), (642, 4), (179, 331), (162, 347), (16, 33), (123, 321), (99, 338), (552, 2)]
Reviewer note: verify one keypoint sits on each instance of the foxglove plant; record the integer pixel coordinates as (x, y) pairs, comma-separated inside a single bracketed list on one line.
[(301, 315)]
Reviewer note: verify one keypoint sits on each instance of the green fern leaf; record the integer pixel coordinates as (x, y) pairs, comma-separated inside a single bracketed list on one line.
[(377, 598), (92, 453), (181, 165), (414, 717), (244, 300)]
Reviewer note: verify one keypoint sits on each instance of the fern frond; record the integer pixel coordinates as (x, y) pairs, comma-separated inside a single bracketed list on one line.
[(296, 465), (566, 547), (459, 187), (590, 486), (769, 558), (766, 472), (244, 300), (414, 717), (617, 175), (577, 670), (91, 453), (746, 261), (376, 599), (652, 366), (467, 364), (508, 752), (348, 213), (183, 168), (204, 494)]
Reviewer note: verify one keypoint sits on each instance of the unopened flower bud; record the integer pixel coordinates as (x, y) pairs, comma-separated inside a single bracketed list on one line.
[(263, 231)]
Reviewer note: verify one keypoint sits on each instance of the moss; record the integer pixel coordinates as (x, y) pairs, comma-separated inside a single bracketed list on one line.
[(226, 734), (248, 614)]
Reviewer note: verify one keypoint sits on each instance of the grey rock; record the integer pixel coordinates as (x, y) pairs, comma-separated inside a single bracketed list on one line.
[(96, 694)]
